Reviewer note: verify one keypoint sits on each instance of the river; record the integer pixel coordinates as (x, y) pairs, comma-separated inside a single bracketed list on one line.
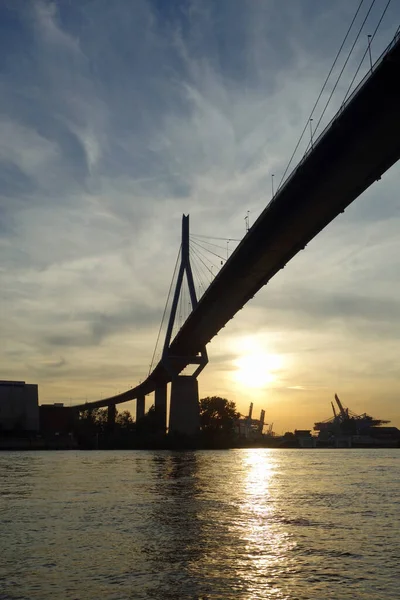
[(247, 524)]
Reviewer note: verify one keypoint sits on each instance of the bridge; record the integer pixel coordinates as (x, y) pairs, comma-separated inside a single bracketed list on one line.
[(358, 146)]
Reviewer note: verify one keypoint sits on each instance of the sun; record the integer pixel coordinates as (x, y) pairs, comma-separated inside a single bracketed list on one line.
[(256, 368)]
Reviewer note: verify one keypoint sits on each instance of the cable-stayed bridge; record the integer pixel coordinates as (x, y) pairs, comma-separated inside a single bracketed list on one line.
[(358, 146)]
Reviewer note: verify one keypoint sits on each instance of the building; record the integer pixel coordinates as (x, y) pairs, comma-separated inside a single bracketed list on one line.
[(56, 419), (304, 438), (19, 407)]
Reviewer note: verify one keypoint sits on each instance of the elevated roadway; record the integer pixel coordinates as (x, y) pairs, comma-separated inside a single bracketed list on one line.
[(354, 151)]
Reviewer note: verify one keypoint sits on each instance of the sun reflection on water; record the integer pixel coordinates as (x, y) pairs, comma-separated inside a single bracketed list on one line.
[(259, 468), (267, 546)]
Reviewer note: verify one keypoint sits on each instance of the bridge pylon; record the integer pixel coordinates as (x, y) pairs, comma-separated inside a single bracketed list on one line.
[(184, 403)]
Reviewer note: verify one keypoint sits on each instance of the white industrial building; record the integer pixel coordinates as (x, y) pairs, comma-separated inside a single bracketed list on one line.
[(19, 406)]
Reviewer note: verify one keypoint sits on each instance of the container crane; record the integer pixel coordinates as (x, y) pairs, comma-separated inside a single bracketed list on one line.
[(346, 421), (261, 422), (250, 410), (344, 412)]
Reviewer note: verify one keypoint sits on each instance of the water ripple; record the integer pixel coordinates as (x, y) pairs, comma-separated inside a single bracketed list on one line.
[(246, 524)]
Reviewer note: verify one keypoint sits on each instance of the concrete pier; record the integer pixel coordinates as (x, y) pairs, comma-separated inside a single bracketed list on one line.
[(111, 412), (184, 415), (140, 403), (160, 405)]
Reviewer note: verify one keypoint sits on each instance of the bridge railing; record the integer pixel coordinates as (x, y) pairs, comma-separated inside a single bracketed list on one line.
[(343, 106)]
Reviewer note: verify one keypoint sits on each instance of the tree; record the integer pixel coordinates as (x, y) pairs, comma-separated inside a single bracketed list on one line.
[(93, 420), (218, 415), (149, 424), (124, 420)]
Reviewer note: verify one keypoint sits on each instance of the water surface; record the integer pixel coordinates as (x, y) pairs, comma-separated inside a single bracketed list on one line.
[(246, 524)]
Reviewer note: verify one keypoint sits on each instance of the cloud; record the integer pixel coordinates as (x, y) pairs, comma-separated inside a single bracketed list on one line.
[(46, 22), (306, 308)]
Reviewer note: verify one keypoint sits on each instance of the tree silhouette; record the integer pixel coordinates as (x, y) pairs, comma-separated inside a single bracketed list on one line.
[(93, 420), (218, 415), (124, 420)]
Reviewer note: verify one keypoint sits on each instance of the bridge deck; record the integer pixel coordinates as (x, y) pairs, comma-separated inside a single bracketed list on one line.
[(359, 145)]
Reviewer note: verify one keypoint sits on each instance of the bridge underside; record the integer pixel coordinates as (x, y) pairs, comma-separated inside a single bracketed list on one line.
[(361, 144)]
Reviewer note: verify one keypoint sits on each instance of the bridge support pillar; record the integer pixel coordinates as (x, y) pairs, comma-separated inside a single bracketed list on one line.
[(160, 405), (184, 415), (111, 412), (140, 407)]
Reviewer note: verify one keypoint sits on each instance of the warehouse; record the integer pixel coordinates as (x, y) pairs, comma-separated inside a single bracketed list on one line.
[(19, 406)]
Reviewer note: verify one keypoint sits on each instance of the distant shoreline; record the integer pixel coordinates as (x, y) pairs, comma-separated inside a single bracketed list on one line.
[(35, 445)]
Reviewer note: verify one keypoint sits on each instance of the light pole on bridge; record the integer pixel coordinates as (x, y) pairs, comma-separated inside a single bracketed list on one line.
[(247, 221), (369, 51)]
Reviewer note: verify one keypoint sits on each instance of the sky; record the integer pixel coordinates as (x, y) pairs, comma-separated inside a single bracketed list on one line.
[(118, 117)]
